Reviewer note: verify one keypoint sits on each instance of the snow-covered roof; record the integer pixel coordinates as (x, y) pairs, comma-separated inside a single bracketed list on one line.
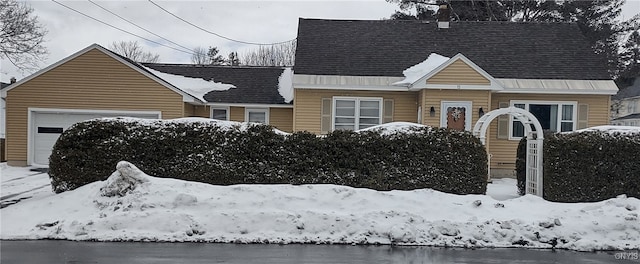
[(254, 85), (415, 72), (285, 85), (197, 87)]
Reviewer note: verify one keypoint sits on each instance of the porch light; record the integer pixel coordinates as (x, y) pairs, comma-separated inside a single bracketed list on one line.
[(480, 112), (432, 111)]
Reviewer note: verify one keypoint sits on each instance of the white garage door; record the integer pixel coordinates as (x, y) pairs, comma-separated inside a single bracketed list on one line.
[(47, 127)]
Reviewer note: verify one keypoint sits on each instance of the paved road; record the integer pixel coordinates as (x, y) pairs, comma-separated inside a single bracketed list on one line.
[(48, 251)]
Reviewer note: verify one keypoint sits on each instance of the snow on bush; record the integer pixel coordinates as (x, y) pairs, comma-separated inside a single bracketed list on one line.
[(400, 156), (592, 164)]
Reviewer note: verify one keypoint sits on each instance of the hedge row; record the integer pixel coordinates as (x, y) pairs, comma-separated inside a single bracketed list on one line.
[(587, 166), (204, 151)]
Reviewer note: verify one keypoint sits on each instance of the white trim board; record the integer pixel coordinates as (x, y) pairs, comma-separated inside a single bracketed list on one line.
[(186, 97)]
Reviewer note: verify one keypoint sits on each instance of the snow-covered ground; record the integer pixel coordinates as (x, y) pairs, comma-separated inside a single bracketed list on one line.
[(159, 209)]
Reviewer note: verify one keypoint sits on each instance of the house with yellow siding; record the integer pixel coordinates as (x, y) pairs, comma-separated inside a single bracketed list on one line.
[(348, 74), (96, 82), (353, 74)]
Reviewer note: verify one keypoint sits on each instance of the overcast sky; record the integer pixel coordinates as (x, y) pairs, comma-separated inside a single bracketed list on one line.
[(250, 21)]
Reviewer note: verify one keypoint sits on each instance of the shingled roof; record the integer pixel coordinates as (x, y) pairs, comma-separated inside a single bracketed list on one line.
[(254, 85), (503, 49)]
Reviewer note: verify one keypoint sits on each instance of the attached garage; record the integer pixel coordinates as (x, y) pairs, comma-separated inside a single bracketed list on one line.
[(46, 125), (91, 83), (96, 82)]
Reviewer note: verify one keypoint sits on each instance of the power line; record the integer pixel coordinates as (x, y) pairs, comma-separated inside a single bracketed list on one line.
[(105, 9), (216, 34), (109, 25)]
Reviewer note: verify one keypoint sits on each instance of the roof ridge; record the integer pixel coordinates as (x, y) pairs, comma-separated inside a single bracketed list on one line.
[(214, 66), (430, 21)]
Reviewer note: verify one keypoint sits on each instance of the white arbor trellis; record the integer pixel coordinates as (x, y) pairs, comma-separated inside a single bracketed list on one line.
[(534, 144)]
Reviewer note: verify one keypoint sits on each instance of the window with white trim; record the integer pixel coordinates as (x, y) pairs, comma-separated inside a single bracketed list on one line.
[(556, 116), (220, 113), (257, 115), (354, 113)]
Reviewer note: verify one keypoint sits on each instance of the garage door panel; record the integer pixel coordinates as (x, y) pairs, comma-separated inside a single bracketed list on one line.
[(48, 126)]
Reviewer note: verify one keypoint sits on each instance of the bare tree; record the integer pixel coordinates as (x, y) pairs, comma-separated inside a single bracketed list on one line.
[(274, 55), (21, 35), (199, 56), (133, 51)]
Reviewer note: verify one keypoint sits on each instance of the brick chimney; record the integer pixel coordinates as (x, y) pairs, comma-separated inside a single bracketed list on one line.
[(444, 16)]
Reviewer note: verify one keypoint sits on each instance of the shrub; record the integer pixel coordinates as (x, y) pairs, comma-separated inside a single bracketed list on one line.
[(217, 153), (590, 166), (521, 166)]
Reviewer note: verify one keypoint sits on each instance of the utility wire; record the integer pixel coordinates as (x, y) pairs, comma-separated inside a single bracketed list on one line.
[(107, 24), (216, 34), (105, 9)]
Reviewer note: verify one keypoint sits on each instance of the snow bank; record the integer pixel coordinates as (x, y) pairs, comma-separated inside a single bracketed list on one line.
[(160, 209), (125, 179), (415, 72), (197, 87), (285, 85)]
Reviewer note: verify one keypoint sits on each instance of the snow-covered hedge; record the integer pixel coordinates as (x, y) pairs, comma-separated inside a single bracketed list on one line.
[(226, 153), (589, 165)]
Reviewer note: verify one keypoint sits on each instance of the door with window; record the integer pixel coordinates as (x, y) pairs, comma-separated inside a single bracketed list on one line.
[(456, 115)]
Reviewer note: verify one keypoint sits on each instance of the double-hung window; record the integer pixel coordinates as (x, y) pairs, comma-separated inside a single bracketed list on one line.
[(257, 115), (354, 113), (220, 113), (555, 116)]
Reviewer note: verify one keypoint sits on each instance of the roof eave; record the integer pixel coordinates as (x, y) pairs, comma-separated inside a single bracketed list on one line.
[(185, 96)]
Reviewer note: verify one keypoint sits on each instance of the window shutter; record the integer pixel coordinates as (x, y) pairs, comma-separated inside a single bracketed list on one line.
[(583, 116), (503, 123), (387, 111), (325, 122)]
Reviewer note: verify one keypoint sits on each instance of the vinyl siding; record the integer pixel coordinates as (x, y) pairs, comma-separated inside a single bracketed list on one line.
[(458, 72), (308, 106), (90, 81), (281, 118), (236, 114), (201, 111), (504, 151), (188, 109)]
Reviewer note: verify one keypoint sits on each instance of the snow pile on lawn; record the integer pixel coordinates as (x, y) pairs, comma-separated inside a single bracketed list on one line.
[(415, 72), (133, 206), (197, 87), (612, 129)]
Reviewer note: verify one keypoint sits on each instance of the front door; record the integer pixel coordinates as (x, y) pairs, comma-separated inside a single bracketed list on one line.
[(456, 115)]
